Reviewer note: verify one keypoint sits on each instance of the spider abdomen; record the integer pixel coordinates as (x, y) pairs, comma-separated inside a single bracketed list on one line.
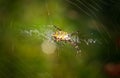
[(61, 36)]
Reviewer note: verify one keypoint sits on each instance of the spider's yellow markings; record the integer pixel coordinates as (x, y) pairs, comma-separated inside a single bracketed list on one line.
[(60, 35), (64, 36)]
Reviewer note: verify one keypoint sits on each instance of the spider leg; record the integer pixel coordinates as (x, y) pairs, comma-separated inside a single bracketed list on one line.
[(75, 45), (75, 37), (57, 28), (74, 33)]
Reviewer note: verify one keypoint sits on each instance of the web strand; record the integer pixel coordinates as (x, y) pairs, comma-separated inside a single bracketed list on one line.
[(48, 12), (79, 7)]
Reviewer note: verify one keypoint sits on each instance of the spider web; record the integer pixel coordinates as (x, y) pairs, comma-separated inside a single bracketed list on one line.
[(74, 15), (89, 9)]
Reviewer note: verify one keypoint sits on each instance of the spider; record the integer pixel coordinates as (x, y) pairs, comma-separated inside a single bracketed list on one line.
[(62, 36)]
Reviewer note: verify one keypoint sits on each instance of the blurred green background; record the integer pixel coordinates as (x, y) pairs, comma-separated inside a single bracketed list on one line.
[(31, 55)]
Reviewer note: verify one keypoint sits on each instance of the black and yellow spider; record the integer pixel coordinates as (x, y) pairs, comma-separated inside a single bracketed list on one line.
[(60, 36)]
